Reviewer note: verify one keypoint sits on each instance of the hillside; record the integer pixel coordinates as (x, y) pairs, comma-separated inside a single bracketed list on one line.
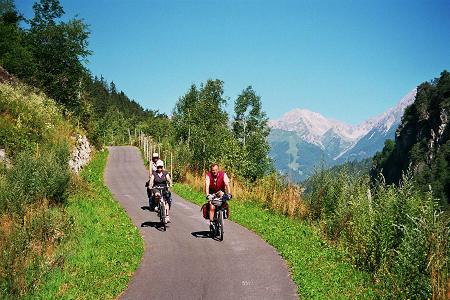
[(34, 180), (422, 142)]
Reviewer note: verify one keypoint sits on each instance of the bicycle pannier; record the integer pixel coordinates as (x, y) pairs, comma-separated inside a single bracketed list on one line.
[(205, 211)]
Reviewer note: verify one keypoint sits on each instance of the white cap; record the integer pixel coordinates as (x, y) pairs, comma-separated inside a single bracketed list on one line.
[(159, 163), (155, 155)]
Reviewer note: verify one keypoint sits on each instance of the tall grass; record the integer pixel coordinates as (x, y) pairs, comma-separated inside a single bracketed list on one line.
[(273, 191), (397, 234), (103, 247)]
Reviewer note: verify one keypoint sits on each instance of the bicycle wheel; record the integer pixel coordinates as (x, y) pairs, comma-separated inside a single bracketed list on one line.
[(220, 226), (162, 214), (212, 230)]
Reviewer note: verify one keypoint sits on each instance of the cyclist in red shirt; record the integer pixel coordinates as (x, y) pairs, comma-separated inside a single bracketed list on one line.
[(216, 183)]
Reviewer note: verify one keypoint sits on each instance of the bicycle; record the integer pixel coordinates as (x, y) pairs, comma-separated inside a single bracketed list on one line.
[(163, 206), (216, 227)]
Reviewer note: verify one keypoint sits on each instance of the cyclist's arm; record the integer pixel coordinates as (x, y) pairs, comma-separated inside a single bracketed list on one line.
[(227, 183), (207, 185), (169, 179), (152, 179)]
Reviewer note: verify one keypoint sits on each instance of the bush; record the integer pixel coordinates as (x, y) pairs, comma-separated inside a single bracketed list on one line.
[(43, 174)]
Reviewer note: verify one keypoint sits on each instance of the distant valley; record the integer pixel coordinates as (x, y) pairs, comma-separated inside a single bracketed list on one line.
[(302, 140)]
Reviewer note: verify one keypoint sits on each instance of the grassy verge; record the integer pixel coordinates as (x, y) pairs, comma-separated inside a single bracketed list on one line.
[(103, 249), (319, 271)]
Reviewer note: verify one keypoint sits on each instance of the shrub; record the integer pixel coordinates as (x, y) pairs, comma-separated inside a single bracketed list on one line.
[(36, 175)]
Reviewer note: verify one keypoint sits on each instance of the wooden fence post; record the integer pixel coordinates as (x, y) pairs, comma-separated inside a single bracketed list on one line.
[(149, 148)]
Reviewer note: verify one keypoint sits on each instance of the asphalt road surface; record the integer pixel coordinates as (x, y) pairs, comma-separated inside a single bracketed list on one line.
[(183, 263)]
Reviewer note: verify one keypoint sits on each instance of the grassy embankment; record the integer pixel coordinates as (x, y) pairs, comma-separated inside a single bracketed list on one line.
[(104, 247), (61, 236), (319, 271)]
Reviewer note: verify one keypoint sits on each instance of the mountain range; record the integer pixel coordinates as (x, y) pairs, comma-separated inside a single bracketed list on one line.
[(302, 140)]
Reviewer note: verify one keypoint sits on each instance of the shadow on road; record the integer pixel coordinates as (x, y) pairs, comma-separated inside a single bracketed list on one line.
[(156, 225), (145, 207), (201, 234)]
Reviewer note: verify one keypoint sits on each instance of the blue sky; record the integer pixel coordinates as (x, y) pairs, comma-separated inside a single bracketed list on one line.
[(348, 60)]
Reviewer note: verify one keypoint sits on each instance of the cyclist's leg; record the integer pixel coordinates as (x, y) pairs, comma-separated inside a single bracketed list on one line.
[(156, 197), (169, 198), (211, 212), (151, 202), (226, 210), (165, 207)]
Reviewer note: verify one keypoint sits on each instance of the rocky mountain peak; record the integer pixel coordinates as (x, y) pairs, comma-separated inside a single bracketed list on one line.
[(334, 140)]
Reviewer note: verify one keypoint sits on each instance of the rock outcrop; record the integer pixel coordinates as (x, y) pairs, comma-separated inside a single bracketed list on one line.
[(80, 155), (6, 77), (4, 158)]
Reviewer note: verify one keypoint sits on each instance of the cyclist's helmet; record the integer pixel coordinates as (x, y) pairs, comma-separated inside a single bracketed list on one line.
[(159, 163)]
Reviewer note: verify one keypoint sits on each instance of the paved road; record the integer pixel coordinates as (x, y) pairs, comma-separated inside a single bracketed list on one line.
[(181, 263)]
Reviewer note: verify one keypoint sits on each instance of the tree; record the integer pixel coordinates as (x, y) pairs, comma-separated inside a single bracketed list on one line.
[(158, 126), (112, 88), (46, 12), (251, 130), (182, 115), (201, 122), (59, 49), (15, 54), (112, 129)]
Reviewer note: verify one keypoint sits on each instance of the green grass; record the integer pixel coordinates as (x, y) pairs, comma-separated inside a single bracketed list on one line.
[(320, 271), (104, 247)]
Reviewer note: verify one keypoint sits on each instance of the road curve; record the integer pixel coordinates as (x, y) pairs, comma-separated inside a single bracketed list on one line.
[(181, 263)]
